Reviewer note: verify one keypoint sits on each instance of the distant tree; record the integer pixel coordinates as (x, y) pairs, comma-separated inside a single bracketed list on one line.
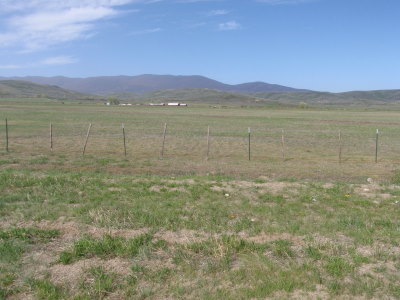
[(303, 105), (113, 100)]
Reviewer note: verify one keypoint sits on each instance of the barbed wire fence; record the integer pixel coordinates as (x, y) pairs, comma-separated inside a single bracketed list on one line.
[(203, 142)]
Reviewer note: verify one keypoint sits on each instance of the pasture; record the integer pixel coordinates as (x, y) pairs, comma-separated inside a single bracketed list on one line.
[(109, 226), (310, 149)]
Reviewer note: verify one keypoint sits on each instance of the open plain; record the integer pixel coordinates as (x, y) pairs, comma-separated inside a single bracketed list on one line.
[(309, 216)]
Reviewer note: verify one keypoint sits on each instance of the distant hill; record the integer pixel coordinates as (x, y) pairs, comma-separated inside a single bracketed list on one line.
[(156, 88), (24, 89), (106, 85), (271, 98), (325, 98), (192, 96)]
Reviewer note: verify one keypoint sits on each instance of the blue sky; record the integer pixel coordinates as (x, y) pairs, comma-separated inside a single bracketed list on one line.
[(329, 45)]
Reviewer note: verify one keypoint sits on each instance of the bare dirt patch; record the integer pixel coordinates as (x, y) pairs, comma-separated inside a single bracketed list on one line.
[(116, 189), (159, 188), (184, 236), (180, 181), (372, 191), (266, 238), (71, 275)]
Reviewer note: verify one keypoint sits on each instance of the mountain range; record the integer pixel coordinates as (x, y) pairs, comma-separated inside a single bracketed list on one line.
[(25, 89), (106, 85), (192, 89)]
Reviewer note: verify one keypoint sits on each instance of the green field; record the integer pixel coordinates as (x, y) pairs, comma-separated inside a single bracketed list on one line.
[(106, 226), (311, 145)]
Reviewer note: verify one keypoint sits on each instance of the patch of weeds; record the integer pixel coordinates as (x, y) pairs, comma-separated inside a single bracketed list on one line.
[(99, 284), (162, 274), (313, 252), (136, 268), (270, 198), (359, 259), (380, 269), (6, 281), (396, 177), (29, 234), (384, 223), (39, 160), (395, 290), (180, 256), (225, 245), (259, 180), (11, 251), (107, 246), (243, 224), (335, 287), (337, 266), (46, 290), (287, 179), (8, 161), (216, 254), (104, 161), (282, 248), (351, 223)]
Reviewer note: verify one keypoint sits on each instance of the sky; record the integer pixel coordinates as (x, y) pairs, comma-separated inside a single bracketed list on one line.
[(325, 45)]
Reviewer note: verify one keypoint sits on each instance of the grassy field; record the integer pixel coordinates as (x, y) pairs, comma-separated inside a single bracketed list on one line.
[(311, 140), (104, 226)]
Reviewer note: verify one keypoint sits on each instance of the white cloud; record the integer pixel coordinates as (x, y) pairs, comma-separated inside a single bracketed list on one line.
[(59, 60), (218, 12), (37, 24), (50, 61), (10, 67), (231, 25), (146, 31)]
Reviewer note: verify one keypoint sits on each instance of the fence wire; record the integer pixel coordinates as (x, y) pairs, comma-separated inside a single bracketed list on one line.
[(145, 141)]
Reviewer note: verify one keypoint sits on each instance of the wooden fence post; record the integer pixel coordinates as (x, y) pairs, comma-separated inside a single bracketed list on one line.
[(249, 132), (340, 147), (376, 145), (123, 134), (51, 136), (7, 136), (87, 138), (163, 141), (208, 142), (283, 144)]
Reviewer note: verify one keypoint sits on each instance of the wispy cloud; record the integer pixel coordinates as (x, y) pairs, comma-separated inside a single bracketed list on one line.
[(10, 67), (231, 25), (38, 24), (59, 60), (218, 12), (284, 2), (146, 31), (50, 61)]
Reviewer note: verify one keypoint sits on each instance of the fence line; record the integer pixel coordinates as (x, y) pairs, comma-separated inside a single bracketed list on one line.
[(262, 143)]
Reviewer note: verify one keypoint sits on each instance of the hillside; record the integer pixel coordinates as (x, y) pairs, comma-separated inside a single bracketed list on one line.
[(24, 89), (325, 98), (106, 85), (192, 96), (276, 98), (115, 87)]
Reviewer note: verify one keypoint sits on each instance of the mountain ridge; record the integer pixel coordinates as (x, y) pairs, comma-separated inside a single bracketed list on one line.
[(27, 89), (105, 85)]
